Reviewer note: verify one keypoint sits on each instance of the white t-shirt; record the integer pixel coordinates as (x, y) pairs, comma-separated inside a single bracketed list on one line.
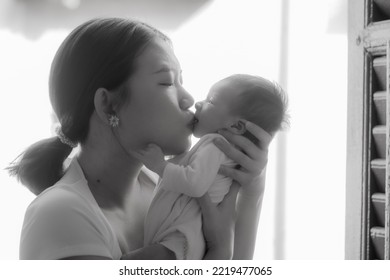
[(65, 220)]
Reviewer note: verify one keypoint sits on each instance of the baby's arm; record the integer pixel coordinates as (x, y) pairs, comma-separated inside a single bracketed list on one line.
[(194, 179)]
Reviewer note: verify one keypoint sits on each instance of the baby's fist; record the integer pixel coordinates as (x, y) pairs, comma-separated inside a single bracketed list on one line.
[(153, 158), (153, 150)]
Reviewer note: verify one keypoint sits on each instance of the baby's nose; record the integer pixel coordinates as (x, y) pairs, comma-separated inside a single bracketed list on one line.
[(198, 105)]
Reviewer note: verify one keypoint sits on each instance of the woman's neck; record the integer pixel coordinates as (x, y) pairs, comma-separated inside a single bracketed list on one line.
[(110, 175)]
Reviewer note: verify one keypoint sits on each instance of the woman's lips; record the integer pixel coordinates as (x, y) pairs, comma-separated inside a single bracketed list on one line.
[(192, 123), (192, 120)]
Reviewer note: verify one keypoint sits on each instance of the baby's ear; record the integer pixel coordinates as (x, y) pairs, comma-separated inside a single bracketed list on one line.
[(237, 127)]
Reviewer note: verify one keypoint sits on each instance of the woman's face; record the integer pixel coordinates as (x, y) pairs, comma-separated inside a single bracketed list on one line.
[(157, 110)]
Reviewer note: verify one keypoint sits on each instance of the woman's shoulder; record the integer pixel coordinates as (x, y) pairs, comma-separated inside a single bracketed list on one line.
[(57, 196), (61, 222), (71, 191), (65, 220), (57, 205)]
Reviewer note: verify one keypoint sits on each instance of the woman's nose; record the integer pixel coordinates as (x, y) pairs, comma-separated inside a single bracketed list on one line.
[(186, 100)]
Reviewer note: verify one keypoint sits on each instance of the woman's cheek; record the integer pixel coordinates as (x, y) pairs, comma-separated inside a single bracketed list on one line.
[(179, 139)]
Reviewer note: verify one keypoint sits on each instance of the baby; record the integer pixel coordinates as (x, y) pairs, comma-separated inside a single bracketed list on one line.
[(174, 218)]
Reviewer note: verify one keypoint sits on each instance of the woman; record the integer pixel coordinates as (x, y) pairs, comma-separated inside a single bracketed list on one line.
[(116, 86)]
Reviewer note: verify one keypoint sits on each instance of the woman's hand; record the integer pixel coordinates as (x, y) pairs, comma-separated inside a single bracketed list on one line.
[(251, 158), (219, 224)]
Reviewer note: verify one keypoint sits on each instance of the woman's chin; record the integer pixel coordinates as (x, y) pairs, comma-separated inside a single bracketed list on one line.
[(179, 148)]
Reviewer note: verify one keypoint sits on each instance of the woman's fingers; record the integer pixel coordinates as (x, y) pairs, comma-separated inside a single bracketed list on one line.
[(263, 136), (253, 162), (232, 152), (250, 157), (236, 174), (244, 143)]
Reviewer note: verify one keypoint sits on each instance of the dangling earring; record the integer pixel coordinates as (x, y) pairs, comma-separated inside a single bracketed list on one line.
[(114, 120)]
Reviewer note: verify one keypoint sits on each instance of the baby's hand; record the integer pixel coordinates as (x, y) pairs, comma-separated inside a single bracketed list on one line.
[(153, 158)]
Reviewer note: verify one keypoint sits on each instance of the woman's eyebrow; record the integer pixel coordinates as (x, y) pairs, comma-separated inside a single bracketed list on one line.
[(165, 68)]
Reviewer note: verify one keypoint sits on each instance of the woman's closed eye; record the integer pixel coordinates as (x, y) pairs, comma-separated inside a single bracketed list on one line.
[(167, 84)]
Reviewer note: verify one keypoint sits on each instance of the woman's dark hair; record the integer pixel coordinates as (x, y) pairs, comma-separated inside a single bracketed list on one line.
[(100, 53)]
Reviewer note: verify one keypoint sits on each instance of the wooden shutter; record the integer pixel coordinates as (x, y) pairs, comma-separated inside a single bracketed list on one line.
[(368, 158)]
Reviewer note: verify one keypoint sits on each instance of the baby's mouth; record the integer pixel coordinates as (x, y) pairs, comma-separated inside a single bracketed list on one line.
[(194, 122)]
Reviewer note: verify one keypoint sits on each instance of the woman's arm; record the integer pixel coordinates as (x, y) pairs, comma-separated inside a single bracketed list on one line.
[(248, 216), (219, 225), (151, 252), (86, 258), (251, 176)]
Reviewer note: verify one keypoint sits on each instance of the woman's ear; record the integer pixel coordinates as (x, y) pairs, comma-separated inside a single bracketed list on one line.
[(104, 104), (237, 127)]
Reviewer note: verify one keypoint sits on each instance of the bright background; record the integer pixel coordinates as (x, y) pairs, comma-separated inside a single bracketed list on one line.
[(302, 44)]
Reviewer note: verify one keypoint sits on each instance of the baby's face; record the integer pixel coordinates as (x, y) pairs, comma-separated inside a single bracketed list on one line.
[(214, 113)]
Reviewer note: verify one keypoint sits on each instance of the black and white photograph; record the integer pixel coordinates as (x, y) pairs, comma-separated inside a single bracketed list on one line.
[(195, 130)]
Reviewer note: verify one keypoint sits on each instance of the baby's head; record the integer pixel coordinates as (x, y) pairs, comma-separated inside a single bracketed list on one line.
[(239, 97)]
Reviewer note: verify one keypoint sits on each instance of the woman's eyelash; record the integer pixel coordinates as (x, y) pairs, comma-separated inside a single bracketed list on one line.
[(166, 84)]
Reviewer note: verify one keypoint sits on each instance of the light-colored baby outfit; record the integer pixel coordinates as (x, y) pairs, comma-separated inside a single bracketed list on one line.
[(174, 217)]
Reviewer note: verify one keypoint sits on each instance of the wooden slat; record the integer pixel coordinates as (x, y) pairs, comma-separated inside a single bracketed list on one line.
[(375, 37), (378, 168), (380, 106), (384, 7), (378, 202), (379, 135), (379, 65), (378, 240)]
